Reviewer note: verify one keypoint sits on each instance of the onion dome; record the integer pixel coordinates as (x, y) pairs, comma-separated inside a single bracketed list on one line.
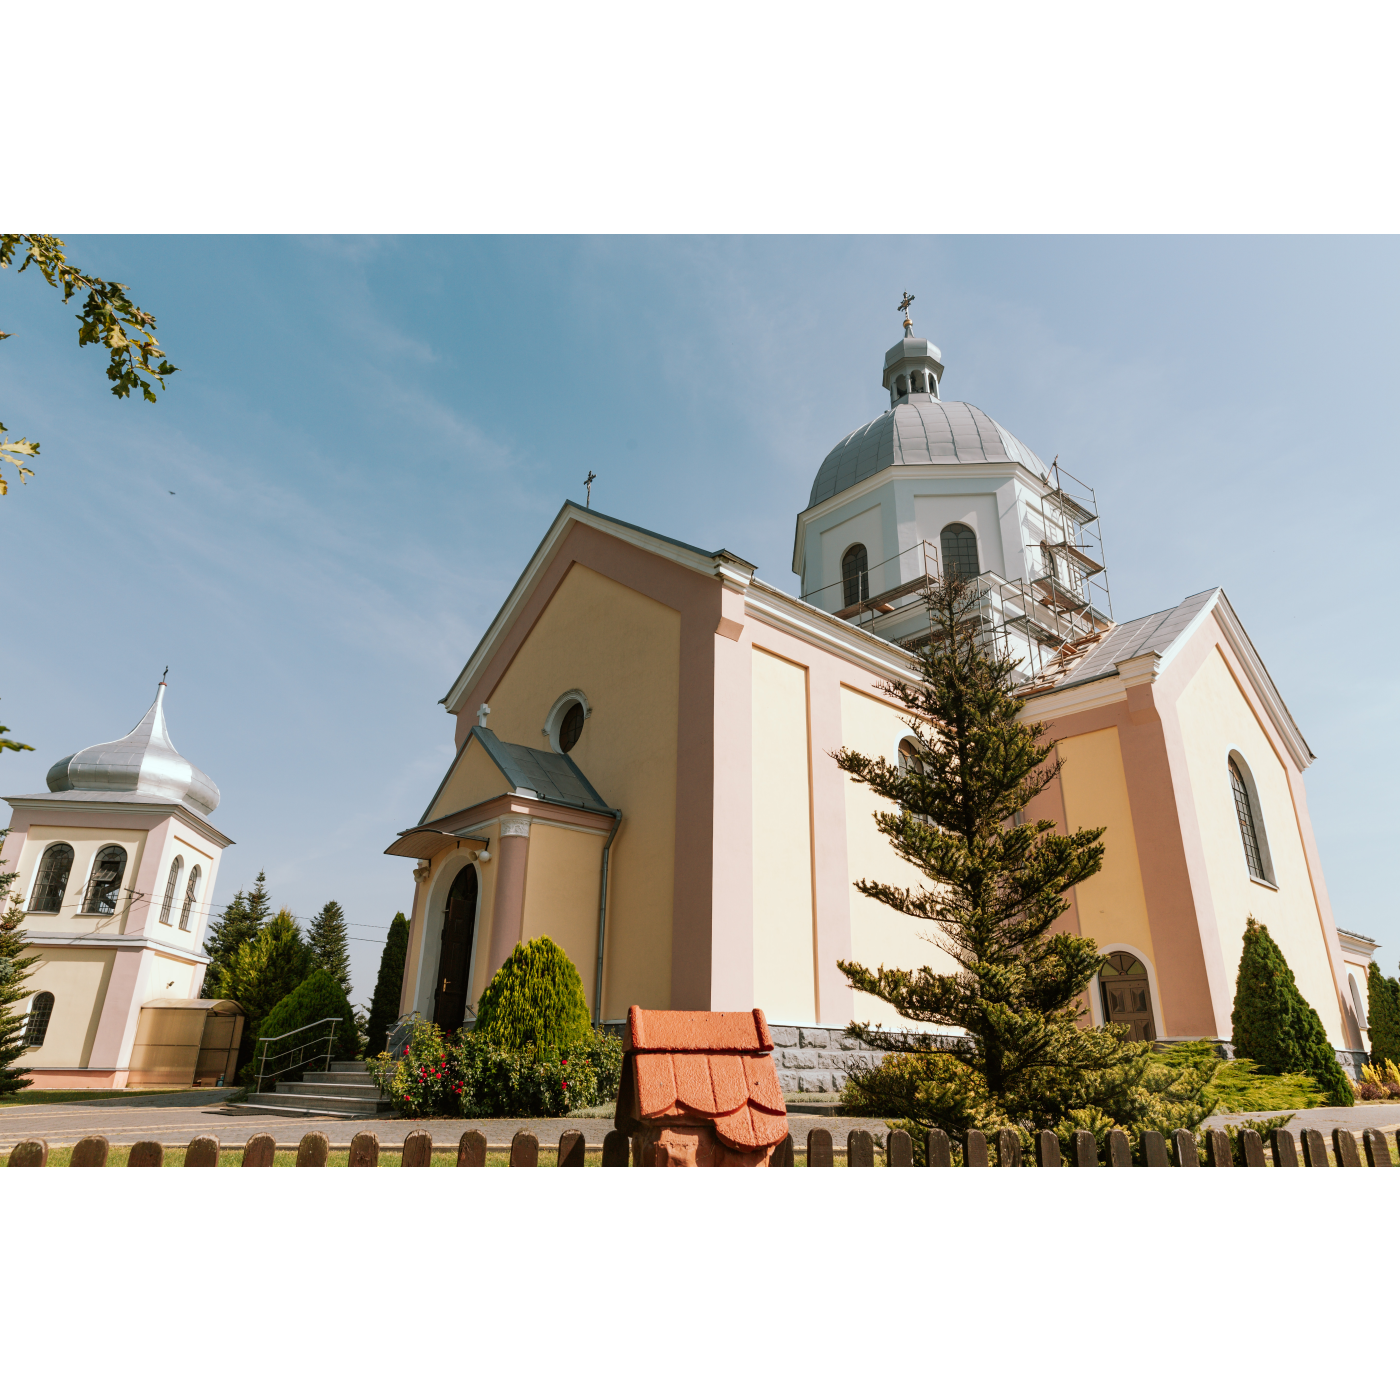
[(144, 763)]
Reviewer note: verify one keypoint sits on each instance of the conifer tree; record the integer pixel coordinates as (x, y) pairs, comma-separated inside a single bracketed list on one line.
[(384, 1004), (1273, 1025), (263, 970), (327, 934), (244, 915), (534, 1000), (15, 962), (1383, 1012), (997, 889)]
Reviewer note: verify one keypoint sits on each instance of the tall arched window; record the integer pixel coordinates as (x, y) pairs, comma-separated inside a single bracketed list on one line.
[(105, 882), (1249, 825), (1358, 1002), (171, 885), (855, 575), (49, 888), (37, 1026), (191, 890), (959, 546)]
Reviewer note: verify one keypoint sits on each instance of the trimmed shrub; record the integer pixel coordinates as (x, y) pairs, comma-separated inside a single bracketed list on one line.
[(534, 1001), (318, 997), (1274, 1026)]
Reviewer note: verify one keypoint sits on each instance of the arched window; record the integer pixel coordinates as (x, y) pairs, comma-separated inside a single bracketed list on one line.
[(959, 546), (49, 888), (1249, 824), (855, 575), (191, 889), (105, 882), (916, 381), (37, 1026), (171, 885), (901, 386), (909, 759), (1358, 1002)]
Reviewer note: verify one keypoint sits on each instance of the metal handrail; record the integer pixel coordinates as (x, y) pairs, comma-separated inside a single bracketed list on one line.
[(328, 1036)]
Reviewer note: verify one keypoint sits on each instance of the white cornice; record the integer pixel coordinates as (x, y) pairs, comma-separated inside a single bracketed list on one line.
[(36, 939), (1356, 944), (41, 802), (732, 571)]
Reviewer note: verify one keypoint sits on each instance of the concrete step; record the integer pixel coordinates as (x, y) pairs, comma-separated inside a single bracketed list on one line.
[(321, 1076), (347, 1066), (305, 1105), (338, 1091)]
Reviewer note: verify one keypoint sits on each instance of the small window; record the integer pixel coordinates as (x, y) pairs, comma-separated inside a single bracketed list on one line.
[(1249, 831), (901, 386), (855, 575), (909, 759), (1358, 1002), (191, 890), (36, 1027), (52, 883), (570, 727), (959, 546), (105, 884), (171, 884)]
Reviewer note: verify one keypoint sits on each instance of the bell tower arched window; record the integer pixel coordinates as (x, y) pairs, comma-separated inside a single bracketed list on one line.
[(49, 888), (105, 882), (172, 883), (191, 890), (855, 575), (959, 546)]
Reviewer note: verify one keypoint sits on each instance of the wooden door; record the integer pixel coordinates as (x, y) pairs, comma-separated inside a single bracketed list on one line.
[(455, 959), (1126, 996)]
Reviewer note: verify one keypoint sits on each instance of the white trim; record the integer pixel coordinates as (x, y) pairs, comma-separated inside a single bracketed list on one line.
[(124, 941), (434, 908), (1096, 998), (1262, 682), (55, 803), (555, 718)]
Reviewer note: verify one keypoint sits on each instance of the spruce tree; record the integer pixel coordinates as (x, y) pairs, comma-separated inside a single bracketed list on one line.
[(388, 987), (1383, 1013), (263, 970), (244, 915), (327, 935), (1273, 1025), (997, 889), (15, 962)]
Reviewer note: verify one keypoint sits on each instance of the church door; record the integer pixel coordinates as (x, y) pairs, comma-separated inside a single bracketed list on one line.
[(1126, 998), (455, 960)]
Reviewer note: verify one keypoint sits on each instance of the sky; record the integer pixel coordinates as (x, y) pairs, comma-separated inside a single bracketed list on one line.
[(368, 437)]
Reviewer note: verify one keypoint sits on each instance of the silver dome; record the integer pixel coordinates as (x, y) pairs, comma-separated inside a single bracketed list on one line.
[(143, 763), (919, 431)]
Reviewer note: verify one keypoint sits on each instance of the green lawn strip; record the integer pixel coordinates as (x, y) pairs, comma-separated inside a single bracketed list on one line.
[(83, 1095)]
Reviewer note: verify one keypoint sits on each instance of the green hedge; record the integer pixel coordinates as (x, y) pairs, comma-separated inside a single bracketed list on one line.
[(535, 1000), (318, 997)]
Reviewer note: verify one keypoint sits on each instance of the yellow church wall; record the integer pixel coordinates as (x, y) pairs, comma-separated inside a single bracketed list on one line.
[(1215, 720), (880, 934), (474, 778), (784, 976), (561, 895), (86, 842), (622, 650), (1112, 906), (77, 978)]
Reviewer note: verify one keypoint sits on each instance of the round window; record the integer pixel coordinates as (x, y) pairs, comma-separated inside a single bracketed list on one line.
[(570, 727)]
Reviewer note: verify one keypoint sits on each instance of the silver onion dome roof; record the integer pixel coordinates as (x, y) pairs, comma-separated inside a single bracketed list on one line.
[(144, 763), (923, 431)]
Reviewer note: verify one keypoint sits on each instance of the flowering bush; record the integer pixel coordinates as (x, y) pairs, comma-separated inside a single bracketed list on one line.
[(464, 1075)]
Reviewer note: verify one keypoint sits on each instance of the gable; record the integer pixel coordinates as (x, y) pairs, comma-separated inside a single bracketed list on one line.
[(473, 778)]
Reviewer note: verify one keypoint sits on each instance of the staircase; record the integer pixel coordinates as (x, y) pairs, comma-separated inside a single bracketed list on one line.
[(343, 1091)]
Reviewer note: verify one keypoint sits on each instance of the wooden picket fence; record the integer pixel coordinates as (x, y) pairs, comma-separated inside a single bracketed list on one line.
[(898, 1150)]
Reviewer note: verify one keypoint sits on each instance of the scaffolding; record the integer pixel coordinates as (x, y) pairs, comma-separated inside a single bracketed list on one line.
[(1045, 624)]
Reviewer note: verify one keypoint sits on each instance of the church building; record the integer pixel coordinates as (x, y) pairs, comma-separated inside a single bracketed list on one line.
[(644, 732), (116, 866)]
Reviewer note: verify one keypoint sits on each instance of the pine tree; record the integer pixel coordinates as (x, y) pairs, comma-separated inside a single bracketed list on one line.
[(240, 922), (15, 962), (384, 1004), (1273, 1025), (327, 935), (1383, 1012), (263, 970), (997, 890)]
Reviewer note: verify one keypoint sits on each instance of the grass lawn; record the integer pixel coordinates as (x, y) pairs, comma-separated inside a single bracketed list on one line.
[(83, 1095)]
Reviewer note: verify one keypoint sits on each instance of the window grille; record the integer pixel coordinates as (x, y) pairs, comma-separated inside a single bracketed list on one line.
[(1244, 810), (571, 727), (170, 887), (959, 545), (52, 883), (37, 1026), (855, 575), (105, 883), (191, 889)]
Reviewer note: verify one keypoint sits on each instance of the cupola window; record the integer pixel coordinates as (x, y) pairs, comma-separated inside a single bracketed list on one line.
[(52, 883), (36, 1027), (191, 890), (855, 575), (959, 545), (105, 882), (171, 885)]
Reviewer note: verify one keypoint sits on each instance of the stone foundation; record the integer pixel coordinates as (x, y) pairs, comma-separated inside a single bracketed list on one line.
[(811, 1060)]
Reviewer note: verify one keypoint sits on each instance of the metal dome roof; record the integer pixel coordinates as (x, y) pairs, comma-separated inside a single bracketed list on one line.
[(143, 763), (921, 431)]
